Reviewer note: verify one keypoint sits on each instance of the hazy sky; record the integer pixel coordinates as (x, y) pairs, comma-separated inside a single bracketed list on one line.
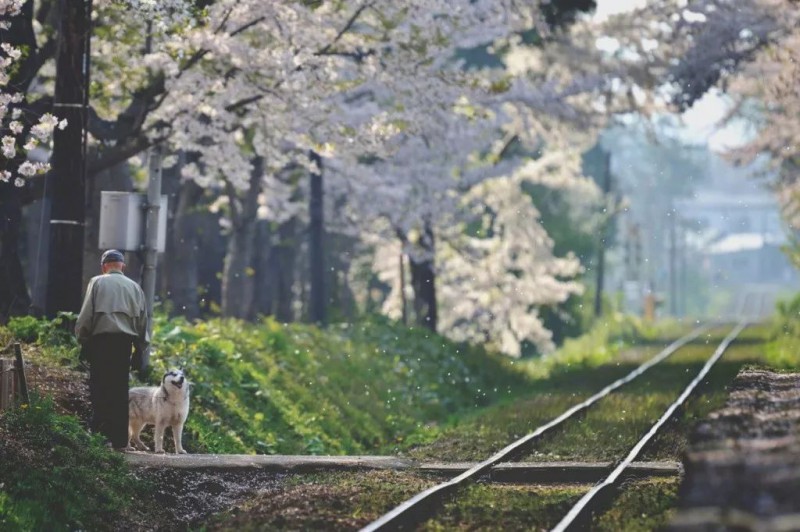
[(702, 121)]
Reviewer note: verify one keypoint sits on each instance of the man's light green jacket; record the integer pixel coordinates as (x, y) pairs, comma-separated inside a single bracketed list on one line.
[(113, 304)]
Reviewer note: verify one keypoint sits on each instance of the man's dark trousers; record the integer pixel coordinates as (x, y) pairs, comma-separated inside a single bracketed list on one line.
[(110, 359)]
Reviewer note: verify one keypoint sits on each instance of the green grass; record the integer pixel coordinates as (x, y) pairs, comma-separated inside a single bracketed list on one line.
[(271, 388), (643, 505), (611, 427), (55, 476), (506, 507), (604, 342)]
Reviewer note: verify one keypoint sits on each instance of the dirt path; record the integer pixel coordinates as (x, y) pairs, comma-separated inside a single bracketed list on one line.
[(743, 469)]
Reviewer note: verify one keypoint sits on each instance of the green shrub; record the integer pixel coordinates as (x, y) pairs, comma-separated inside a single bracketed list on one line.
[(783, 351), (55, 335), (57, 332), (56, 476), (25, 328), (606, 338)]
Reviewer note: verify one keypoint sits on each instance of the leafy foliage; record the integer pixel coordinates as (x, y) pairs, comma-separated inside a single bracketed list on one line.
[(56, 476), (56, 335), (272, 388), (783, 352), (601, 343)]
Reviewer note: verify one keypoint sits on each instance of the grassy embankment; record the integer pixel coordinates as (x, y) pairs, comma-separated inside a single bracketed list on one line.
[(377, 388)]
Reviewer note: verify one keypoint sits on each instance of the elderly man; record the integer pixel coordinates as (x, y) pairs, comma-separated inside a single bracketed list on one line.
[(112, 321)]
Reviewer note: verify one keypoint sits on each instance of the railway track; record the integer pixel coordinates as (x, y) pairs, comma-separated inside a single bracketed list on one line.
[(426, 503)]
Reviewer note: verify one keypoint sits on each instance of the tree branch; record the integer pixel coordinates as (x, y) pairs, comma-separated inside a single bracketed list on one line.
[(349, 24), (121, 153)]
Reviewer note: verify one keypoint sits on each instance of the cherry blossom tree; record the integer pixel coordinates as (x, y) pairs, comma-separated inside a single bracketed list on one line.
[(24, 127), (245, 91), (392, 104), (21, 135), (292, 85)]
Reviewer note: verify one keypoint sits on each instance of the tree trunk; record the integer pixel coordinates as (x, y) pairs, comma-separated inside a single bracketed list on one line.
[(14, 298), (171, 185), (237, 283), (183, 261), (282, 267), (403, 301), (68, 186), (423, 281), (316, 253), (237, 273), (264, 298)]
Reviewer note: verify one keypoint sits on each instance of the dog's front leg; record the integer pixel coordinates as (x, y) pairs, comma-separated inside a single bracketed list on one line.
[(177, 433), (159, 437)]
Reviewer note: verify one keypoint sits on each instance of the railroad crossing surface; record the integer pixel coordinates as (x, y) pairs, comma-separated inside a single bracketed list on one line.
[(519, 472)]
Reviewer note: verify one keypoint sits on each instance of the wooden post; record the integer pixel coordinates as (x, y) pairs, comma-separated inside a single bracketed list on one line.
[(21, 379), (6, 383)]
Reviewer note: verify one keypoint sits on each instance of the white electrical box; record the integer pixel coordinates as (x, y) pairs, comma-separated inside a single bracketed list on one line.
[(122, 221)]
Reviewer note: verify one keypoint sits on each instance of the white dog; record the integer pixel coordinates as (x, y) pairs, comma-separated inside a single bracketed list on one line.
[(163, 406)]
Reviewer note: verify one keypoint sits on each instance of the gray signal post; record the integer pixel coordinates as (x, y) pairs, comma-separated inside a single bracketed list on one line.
[(151, 208)]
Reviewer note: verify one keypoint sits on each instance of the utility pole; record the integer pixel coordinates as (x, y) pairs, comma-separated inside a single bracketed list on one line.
[(673, 264), (684, 286), (601, 248), (152, 208), (67, 179)]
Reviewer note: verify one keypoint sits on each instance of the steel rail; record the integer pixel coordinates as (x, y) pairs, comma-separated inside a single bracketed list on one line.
[(412, 510), (585, 501)]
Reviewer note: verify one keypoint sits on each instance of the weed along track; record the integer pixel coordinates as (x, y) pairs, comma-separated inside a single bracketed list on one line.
[(427, 503), (584, 506)]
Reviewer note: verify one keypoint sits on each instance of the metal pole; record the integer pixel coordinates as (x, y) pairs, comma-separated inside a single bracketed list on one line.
[(673, 266), (152, 207), (601, 248)]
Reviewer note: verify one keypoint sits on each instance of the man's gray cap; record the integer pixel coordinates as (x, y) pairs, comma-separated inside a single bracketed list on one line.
[(112, 255)]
